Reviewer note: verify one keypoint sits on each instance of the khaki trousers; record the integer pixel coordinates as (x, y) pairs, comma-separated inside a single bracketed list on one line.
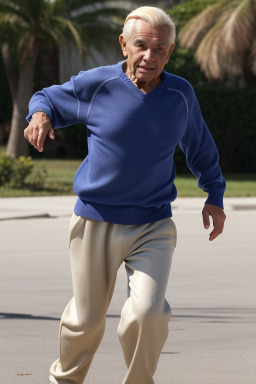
[(97, 251)]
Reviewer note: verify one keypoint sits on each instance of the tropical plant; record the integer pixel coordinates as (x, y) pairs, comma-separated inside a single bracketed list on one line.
[(224, 38), (182, 62), (6, 168), (25, 25), (185, 11), (28, 26)]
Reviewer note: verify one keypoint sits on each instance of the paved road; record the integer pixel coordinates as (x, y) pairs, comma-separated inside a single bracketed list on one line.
[(212, 291)]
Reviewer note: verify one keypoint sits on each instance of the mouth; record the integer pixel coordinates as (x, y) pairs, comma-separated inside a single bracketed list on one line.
[(145, 68)]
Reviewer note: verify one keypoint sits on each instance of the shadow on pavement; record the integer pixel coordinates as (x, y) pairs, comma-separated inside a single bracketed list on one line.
[(219, 317), (6, 315)]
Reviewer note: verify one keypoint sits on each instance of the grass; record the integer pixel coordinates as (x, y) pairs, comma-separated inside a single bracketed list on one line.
[(238, 185), (60, 174)]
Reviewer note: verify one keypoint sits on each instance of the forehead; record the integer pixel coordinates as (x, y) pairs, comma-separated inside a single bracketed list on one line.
[(142, 30)]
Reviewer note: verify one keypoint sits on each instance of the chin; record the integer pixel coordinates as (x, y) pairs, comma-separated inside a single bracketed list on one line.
[(145, 77)]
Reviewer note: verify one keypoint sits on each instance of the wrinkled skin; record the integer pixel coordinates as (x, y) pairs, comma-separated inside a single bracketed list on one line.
[(148, 50)]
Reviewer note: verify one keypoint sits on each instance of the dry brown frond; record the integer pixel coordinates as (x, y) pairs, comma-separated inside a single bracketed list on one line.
[(207, 54), (224, 36), (193, 32), (240, 29)]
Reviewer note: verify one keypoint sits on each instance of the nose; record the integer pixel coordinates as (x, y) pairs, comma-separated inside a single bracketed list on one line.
[(149, 55)]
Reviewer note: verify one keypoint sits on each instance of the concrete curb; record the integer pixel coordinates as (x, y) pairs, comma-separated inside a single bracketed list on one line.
[(23, 208)]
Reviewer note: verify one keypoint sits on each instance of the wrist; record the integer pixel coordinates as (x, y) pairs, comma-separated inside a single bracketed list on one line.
[(40, 114)]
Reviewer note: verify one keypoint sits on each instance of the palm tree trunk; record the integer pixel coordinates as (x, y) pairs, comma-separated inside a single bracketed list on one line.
[(17, 145), (48, 62)]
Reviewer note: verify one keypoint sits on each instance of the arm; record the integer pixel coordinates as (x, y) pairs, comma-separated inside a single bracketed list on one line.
[(56, 106), (203, 160)]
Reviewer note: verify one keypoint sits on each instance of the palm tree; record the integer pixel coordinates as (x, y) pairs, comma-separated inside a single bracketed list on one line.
[(224, 38), (27, 26)]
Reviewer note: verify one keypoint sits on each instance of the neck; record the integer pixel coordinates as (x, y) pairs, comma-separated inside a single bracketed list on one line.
[(143, 86), (147, 87)]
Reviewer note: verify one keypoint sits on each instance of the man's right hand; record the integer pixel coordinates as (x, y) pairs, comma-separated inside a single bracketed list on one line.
[(37, 130)]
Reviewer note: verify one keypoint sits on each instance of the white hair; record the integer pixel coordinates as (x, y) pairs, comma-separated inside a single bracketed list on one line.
[(155, 17)]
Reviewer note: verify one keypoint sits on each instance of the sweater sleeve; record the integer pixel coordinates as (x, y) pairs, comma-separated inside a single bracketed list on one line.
[(202, 155), (60, 102)]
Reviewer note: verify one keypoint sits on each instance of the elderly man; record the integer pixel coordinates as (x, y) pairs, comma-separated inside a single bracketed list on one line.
[(135, 114)]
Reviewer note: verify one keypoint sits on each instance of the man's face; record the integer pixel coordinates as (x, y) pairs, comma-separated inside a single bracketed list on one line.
[(148, 50)]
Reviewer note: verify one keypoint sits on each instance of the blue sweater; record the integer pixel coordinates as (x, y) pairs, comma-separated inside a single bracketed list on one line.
[(128, 175)]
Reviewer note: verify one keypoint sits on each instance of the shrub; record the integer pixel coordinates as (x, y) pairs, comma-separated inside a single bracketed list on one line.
[(182, 63), (22, 169), (6, 168), (20, 173), (36, 180)]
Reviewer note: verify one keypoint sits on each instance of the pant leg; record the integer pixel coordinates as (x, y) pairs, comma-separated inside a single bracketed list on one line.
[(96, 254), (143, 327)]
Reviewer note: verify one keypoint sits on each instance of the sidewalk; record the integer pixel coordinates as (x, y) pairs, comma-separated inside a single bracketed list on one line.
[(61, 206)]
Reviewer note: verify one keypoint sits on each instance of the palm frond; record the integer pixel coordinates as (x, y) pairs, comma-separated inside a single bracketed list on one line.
[(95, 7), (240, 29), (223, 37), (207, 54), (65, 24), (13, 8), (193, 32)]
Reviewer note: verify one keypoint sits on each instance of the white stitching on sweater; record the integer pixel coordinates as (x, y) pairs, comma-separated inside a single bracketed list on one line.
[(95, 94), (182, 94)]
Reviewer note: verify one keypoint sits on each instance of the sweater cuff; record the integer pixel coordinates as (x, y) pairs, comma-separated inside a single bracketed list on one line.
[(215, 198), (29, 116)]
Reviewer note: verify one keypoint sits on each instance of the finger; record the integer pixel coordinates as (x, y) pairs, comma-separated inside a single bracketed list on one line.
[(31, 135), (218, 226), (51, 134), (26, 133), (213, 235), (41, 139), (34, 136), (206, 219)]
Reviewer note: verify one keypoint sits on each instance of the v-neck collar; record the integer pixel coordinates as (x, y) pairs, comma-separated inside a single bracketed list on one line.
[(153, 93)]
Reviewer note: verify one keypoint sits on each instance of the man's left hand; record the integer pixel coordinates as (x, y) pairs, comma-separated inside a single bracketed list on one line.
[(218, 218)]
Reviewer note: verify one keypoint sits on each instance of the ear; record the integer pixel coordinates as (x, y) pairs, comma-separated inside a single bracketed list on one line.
[(170, 52), (123, 45)]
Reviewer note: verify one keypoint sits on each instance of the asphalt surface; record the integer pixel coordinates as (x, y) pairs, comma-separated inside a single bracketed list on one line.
[(212, 292)]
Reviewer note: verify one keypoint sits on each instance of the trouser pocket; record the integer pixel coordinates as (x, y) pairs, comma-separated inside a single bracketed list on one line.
[(169, 219), (73, 226)]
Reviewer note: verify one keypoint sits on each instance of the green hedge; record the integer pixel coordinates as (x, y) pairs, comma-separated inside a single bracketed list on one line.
[(231, 117)]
